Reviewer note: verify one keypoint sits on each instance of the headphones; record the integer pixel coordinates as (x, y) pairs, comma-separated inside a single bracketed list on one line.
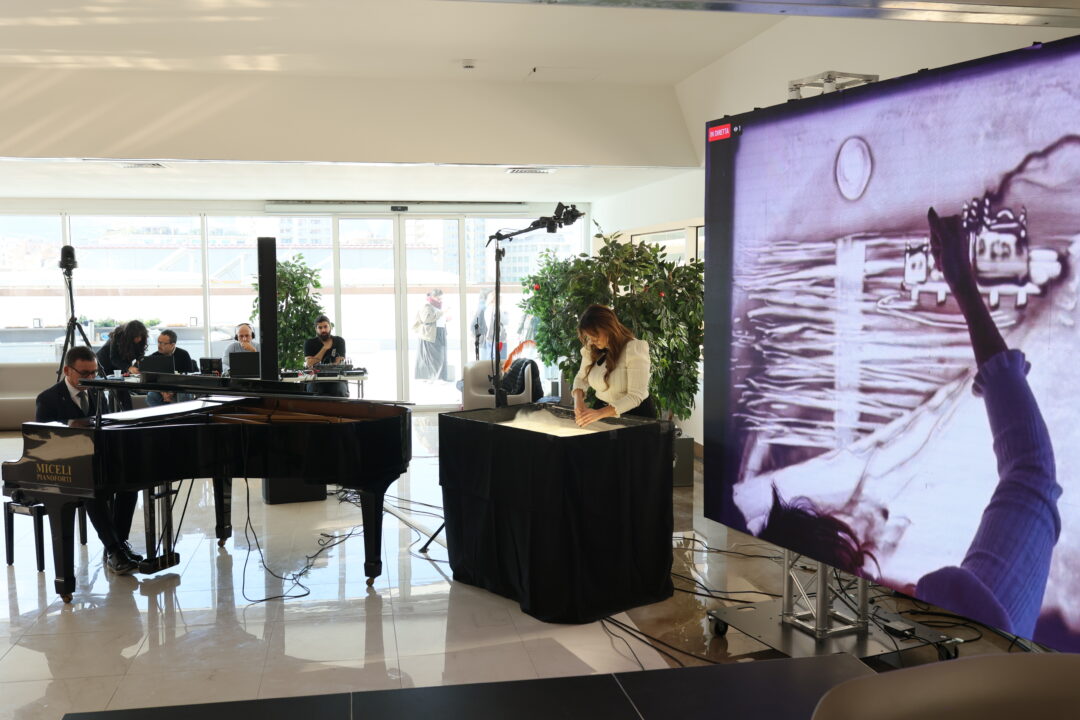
[(236, 332)]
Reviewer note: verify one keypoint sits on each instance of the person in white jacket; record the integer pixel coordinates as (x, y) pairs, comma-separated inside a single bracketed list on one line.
[(615, 364)]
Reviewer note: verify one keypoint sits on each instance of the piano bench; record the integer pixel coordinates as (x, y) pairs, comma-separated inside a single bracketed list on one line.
[(36, 511)]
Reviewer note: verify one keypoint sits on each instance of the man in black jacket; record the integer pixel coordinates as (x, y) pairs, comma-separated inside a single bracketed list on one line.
[(68, 400), (182, 363)]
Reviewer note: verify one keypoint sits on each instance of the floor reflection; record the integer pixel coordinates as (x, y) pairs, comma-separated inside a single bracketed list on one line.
[(217, 628)]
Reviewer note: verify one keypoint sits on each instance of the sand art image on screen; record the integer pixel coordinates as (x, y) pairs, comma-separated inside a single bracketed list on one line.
[(850, 382)]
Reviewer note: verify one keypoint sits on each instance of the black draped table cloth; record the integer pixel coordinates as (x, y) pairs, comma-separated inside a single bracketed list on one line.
[(573, 528)]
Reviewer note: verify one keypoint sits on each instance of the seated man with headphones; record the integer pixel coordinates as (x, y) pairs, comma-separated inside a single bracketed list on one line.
[(243, 341)]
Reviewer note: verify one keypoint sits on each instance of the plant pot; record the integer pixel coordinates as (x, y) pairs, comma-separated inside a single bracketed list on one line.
[(683, 472), (276, 491)]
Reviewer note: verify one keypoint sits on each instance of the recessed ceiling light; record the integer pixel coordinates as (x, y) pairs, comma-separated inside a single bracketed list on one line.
[(142, 166)]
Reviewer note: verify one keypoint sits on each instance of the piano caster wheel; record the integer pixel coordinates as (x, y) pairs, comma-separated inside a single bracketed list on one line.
[(370, 581), (66, 599), (221, 541)]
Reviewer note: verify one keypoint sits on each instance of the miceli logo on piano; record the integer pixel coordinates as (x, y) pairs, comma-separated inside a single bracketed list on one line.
[(53, 472)]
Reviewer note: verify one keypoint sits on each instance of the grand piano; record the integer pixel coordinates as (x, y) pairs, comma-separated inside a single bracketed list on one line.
[(237, 429)]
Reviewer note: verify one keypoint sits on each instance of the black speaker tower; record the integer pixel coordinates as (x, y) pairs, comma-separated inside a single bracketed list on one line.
[(268, 357)]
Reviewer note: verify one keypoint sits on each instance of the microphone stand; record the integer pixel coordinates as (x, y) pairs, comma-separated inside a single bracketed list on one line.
[(563, 216), (496, 344)]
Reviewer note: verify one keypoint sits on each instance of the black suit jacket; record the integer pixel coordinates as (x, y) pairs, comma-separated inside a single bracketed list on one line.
[(55, 404), (182, 361)]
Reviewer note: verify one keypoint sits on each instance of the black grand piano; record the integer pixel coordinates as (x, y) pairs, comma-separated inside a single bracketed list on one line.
[(239, 428)]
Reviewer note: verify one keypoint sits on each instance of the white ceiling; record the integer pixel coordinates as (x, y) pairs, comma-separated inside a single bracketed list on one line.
[(372, 38), (187, 180), (407, 39)]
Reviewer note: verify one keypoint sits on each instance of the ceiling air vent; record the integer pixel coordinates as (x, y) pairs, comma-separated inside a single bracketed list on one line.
[(142, 166), (529, 171)]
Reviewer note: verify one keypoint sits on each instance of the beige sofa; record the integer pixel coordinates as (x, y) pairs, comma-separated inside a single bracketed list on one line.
[(20, 384)]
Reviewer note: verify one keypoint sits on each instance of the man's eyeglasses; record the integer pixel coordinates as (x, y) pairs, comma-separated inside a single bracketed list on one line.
[(84, 373)]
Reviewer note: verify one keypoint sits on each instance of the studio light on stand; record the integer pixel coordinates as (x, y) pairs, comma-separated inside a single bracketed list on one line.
[(563, 216)]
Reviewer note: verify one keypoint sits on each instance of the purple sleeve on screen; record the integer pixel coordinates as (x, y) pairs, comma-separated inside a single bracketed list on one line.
[(1008, 562)]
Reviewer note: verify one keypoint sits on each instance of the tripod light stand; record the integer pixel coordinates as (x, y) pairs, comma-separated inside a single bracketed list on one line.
[(67, 264)]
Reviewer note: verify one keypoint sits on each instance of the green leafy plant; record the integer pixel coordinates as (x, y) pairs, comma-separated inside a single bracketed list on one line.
[(663, 302), (298, 304)]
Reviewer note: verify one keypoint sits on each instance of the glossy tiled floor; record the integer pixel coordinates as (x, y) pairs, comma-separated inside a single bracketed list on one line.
[(193, 634)]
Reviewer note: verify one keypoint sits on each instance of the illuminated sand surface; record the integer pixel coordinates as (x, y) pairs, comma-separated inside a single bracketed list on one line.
[(544, 422)]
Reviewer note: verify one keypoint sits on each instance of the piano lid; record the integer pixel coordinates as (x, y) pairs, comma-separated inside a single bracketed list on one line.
[(162, 412)]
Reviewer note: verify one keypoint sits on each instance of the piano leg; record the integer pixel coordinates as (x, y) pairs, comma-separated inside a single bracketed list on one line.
[(157, 514), (150, 522), (61, 512), (223, 509), (371, 509)]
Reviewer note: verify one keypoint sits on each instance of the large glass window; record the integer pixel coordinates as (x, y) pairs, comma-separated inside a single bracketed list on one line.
[(196, 275), (368, 319), (233, 265), (140, 268), (33, 310), (433, 312)]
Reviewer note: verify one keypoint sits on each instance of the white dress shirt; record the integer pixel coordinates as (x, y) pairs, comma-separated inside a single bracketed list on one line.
[(627, 386), (74, 392)]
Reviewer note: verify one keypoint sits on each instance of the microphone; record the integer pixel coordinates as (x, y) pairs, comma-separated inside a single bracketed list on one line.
[(566, 215), (67, 259)]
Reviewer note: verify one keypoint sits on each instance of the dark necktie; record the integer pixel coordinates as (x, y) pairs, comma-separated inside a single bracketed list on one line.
[(84, 404)]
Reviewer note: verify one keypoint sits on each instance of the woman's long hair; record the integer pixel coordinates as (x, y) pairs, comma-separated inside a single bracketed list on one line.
[(801, 525), (124, 335), (599, 317)]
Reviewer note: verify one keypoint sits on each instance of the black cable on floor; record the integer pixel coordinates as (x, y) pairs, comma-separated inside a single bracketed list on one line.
[(850, 603), (603, 624), (718, 550), (635, 631), (414, 502), (713, 593)]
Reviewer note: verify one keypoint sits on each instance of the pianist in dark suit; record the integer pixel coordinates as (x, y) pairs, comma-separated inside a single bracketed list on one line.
[(182, 363), (68, 400), (121, 352), (325, 349)]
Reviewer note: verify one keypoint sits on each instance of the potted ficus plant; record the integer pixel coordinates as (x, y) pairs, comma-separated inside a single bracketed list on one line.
[(298, 304)]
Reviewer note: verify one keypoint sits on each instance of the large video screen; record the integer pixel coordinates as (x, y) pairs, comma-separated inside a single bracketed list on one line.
[(845, 415)]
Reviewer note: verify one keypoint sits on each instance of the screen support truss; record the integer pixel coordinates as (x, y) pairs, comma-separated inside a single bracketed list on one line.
[(828, 81), (818, 617)]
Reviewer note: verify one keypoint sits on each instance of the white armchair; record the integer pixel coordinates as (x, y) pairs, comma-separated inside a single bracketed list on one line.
[(474, 389)]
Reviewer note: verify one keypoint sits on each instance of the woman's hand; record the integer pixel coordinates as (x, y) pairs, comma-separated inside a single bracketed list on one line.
[(951, 250), (586, 417)]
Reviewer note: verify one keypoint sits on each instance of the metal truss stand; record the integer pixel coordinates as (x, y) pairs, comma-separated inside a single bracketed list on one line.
[(828, 81), (818, 618), (823, 622)]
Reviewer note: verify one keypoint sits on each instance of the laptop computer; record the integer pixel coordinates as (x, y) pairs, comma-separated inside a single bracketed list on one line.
[(244, 364), (210, 366), (158, 364)]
